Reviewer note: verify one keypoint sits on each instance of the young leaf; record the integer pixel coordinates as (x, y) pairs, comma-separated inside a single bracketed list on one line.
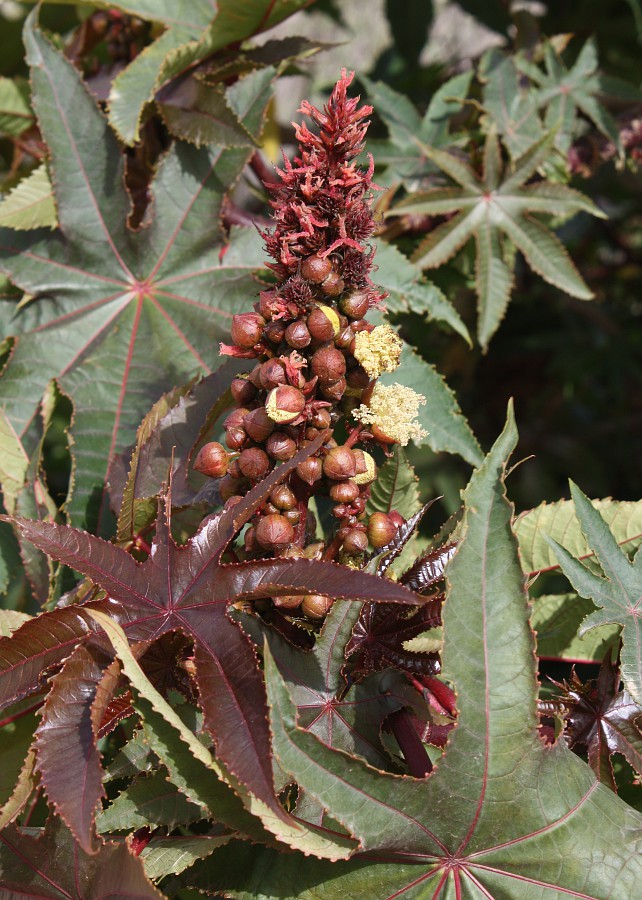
[(559, 521), (52, 865), (617, 594), (117, 316), (510, 105), (30, 204), (492, 209), (436, 837), (189, 589)]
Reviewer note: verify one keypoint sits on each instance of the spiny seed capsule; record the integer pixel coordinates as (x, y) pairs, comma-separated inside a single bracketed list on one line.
[(381, 529), (212, 460), (284, 404), (247, 329), (339, 464), (316, 269), (328, 364), (254, 463), (274, 532)]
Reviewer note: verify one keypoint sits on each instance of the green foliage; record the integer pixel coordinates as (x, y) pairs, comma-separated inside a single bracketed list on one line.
[(368, 708)]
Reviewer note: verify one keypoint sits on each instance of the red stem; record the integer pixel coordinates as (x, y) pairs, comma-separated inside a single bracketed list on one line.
[(409, 741), (20, 714), (353, 437)]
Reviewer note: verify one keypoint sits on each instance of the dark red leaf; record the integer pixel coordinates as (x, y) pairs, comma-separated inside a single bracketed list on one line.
[(429, 569)]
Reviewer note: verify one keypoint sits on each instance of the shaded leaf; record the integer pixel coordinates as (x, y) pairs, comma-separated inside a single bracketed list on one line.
[(618, 594), (557, 618), (171, 855), (53, 866), (30, 204), (510, 103), (559, 521), (15, 110), (491, 210), (150, 800)]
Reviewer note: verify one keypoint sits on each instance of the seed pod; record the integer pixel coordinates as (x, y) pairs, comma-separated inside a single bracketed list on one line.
[(334, 391), (340, 511), (321, 419), (297, 335), (283, 497), (292, 515), (247, 329), (258, 425), (233, 469), (310, 470), (254, 463), (316, 607), (344, 492), (355, 542), (339, 464), (273, 372), (314, 550), (292, 552), (381, 530), (280, 446), (333, 285), (243, 391), (323, 324), (358, 504), (274, 332), (235, 418), (357, 378), (255, 376), (396, 518), (235, 438), (288, 601), (229, 487), (328, 364), (316, 269), (355, 305), (284, 404), (345, 338), (274, 532), (366, 468), (212, 460), (270, 510), (250, 543)]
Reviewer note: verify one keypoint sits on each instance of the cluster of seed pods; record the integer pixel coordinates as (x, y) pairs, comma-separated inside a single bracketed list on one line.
[(307, 379)]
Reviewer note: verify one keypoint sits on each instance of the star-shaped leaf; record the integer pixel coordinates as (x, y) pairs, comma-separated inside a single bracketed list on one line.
[(493, 209), (188, 589), (502, 815), (116, 316), (618, 594)]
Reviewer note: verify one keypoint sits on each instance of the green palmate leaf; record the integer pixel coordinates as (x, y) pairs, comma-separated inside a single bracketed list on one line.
[(617, 594), (194, 32), (16, 114), (493, 209), (559, 521), (557, 618), (135, 758), (30, 204), (441, 417), (151, 800), (509, 103), (196, 773), (50, 865), (408, 292), (117, 317), (165, 856), (466, 830), (201, 114)]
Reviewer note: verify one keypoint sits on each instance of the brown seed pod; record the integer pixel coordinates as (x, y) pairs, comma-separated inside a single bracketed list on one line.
[(235, 438), (229, 487), (243, 391), (235, 418), (284, 404), (381, 529), (328, 364), (333, 285), (321, 419), (297, 335), (212, 460), (345, 338), (292, 515), (316, 269), (254, 463), (258, 425), (274, 532), (316, 607), (310, 470), (255, 376), (270, 510), (273, 372), (357, 378), (339, 464), (366, 468), (247, 329), (274, 332), (344, 492), (334, 391), (355, 305), (355, 542), (288, 601), (280, 446), (233, 470), (397, 519), (323, 324), (283, 497), (250, 543)]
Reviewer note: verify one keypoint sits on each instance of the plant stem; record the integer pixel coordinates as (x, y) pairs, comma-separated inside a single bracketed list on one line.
[(414, 752)]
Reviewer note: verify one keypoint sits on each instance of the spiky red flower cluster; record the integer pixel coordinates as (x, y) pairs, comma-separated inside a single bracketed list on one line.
[(307, 378)]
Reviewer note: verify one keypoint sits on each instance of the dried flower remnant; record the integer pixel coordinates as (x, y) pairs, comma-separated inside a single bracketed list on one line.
[(391, 412), (316, 355), (378, 350)]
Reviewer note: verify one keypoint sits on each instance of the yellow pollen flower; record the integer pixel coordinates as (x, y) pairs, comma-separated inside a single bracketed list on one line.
[(378, 350), (391, 411)]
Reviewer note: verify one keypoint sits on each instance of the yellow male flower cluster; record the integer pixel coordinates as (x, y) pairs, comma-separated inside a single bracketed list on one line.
[(378, 350), (391, 412)]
